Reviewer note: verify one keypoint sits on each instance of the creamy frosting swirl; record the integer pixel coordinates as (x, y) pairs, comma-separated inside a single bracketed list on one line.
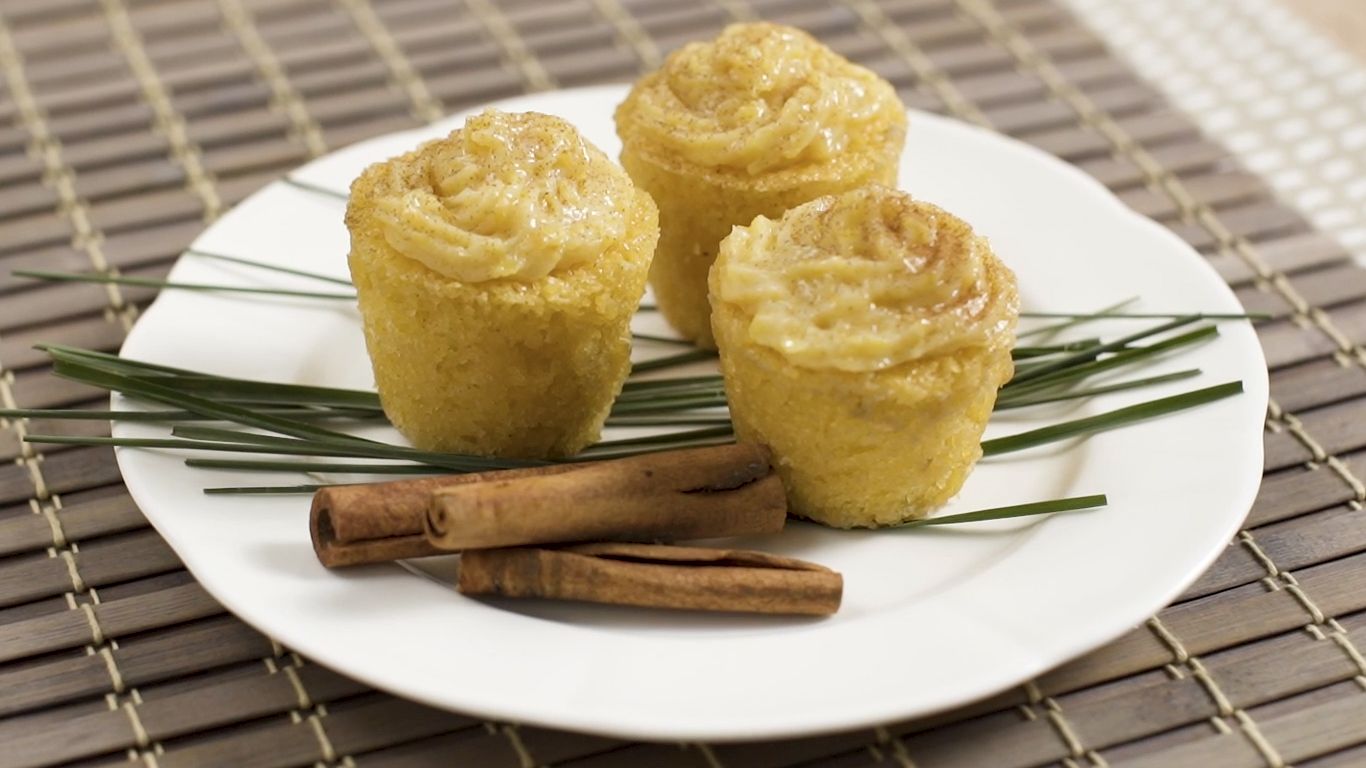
[(866, 281), (508, 195), (762, 98)]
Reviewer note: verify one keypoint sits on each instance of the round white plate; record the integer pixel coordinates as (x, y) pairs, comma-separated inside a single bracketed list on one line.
[(931, 618)]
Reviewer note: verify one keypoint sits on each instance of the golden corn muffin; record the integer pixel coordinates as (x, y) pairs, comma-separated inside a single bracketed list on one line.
[(497, 271), (760, 120), (863, 338)]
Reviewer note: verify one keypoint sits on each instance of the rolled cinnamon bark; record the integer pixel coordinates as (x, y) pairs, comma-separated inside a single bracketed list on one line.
[(696, 493), (727, 490), (381, 522), (656, 576)]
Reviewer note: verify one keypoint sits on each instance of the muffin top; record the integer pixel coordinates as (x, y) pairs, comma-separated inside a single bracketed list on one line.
[(865, 281), (508, 195), (760, 99)]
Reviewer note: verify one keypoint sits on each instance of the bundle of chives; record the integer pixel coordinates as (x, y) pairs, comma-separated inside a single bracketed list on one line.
[(286, 416)]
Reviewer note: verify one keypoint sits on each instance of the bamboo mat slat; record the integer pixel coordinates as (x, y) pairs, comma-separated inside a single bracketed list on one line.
[(127, 125)]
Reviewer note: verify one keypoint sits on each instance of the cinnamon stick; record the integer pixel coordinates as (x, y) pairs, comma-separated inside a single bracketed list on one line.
[(698, 493), (381, 522), (656, 576)]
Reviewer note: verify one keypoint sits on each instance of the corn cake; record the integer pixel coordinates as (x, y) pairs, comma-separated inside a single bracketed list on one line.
[(497, 271), (760, 120), (863, 338)]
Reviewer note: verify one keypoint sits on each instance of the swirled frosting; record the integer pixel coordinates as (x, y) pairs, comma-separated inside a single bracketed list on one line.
[(509, 195), (865, 281), (761, 98)]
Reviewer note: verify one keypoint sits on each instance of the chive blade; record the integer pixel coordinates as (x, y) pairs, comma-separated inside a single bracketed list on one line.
[(1085, 317), (146, 388), (265, 465), (669, 420), (219, 387), (266, 266), (114, 360), (143, 282), (637, 385), (662, 339), (622, 453), (373, 449), (1013, 511), (1086, 370), (265, 490), (668, 405), (183, 444), (1040, 399), (671, 361), (230, 390), (1091, 353), (1111, 419), (1052, 330), (1030, 352), (701, 389), (667, 437), (316, 189), (81, 414)]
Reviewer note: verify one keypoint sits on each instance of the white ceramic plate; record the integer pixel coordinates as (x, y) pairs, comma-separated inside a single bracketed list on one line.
[(931, 618)]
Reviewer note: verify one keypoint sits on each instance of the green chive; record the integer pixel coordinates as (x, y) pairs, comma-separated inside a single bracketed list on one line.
[(1006, 403), (671, 361), (1026, 352), (1014, 510), (268, 490), (80, 414), (669, 420), (115, 361), (372, 450), (1103, 314), (220, 387), (669, 437), (699, 389), (1086, 317), (663, 405), (1122, 358), (592, 455), (1111, 419), (142, 282), (266, 266), (314, 188), (713, 379), (662, 339), (186, 445), (258, 465), (169, 395), (1091, 353)]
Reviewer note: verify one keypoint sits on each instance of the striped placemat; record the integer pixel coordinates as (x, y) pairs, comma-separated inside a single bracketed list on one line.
[(1288, 102), (125, 125)]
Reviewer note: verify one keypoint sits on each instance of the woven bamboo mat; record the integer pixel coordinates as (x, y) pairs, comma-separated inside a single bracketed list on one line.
[(125, 125)]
